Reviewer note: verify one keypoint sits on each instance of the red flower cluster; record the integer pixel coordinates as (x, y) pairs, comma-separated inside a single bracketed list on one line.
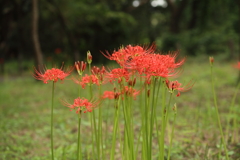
[(80, 105), (52, 74), (175, 85), (110, 95), (117, 74), (145, 61), (92, 79), (99, 72), (129, 91), (124, 55)]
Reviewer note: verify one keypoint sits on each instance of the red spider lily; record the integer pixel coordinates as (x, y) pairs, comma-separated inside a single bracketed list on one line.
[(99, 72), (129, 91), (92, 79), (80, 66), (110, 95), (125, 54), (237, 66), (175, 85), (156, 64), (80, 104), (52, 74), (117, 74)]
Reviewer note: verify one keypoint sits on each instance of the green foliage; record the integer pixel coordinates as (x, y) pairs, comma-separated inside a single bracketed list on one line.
[(93, 26), (203, 27)]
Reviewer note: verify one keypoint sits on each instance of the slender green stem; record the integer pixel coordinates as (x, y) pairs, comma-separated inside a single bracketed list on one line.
[(93, 123), (144, 124), (217, 114), (96, 133), (127, 128), (232, 111), (162, 124), (171, 138), (138, 142), (52, 120), (167, 112), (79, 154), (155, 113), (106, 132), (100, 136), (146, 111), (152, 117), (93, 118), (116, 115), (92, 137), (79, 149)]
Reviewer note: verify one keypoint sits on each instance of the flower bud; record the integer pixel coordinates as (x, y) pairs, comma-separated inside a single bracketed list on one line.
[(89, 57), (116, 95), (95, 70), (148, 93), (211, 60), (132, 83), (80, 66), (175, 108)]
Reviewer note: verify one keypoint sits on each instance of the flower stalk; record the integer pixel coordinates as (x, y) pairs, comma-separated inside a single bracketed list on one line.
[(211, 59), (52, 151)]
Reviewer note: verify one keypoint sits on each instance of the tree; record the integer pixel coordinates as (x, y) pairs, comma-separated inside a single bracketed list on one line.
[(36, 43)]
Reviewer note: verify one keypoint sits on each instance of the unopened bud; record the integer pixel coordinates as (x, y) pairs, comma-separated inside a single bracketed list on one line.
[(89, 57), (132, 83), (148, 93), (80, 66), (175, 108), (77, 67), (116, 95), (211, 60), (103, 70), (95, 70)]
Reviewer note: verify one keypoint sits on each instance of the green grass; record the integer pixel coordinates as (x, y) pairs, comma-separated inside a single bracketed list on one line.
[(25, 116)]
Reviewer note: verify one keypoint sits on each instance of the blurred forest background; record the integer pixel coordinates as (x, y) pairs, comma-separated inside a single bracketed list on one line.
[(44, 31)]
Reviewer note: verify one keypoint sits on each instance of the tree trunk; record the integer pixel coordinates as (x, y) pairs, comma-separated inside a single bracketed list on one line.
[(36, 43), (176, 14), (194, 15)]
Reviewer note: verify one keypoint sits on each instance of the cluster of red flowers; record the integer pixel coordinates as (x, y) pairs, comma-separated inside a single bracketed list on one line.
[(145, 62), (175, 85), (53, 74), (117, 74), (80, 104), (134, 61), (92, 79), (99, 73), (128, 91)]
